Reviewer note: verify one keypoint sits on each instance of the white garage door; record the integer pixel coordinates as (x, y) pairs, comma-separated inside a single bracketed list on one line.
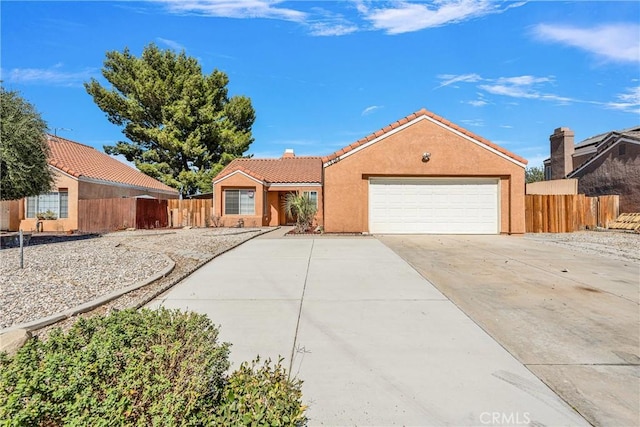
[(433, 205)]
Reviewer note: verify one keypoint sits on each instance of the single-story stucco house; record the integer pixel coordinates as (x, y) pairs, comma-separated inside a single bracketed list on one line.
[(81, 172), (254, 189), (421, 174)]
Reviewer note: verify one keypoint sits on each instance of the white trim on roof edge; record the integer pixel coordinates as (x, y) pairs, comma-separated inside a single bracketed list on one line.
[(593, 159), (296, 184), (406, 125), (241, 172), (83, 178)]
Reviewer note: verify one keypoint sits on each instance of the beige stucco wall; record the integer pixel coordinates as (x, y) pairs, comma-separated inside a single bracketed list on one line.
[(61, 224), (263, 217), (240, 182), (346, 182), (555, 186)]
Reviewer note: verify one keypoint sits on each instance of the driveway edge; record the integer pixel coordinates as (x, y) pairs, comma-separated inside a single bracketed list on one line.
[(186, 274)]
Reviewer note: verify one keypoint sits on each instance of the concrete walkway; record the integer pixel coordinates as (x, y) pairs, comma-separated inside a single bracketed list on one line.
[(374, 342)]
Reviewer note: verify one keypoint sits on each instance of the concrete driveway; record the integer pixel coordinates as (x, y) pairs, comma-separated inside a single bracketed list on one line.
[(571, 318), (373, 340)]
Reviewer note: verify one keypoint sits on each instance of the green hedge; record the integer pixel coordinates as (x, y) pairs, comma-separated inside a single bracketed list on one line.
[(163, 368)]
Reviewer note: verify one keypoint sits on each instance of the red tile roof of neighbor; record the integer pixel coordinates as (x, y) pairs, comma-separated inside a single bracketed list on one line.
[(286, 170), (409, 118), (79, 160)]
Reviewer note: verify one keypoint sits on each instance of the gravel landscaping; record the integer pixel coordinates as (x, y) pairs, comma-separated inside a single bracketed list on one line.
[(619, 245), (59, 276)]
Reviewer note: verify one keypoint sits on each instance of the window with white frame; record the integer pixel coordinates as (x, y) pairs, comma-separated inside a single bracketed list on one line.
[(56, 202), (239, 202), (313, 196)]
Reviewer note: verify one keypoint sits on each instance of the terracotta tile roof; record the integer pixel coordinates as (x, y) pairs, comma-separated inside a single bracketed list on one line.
[(414, 116), (278, 171), (79, 160)]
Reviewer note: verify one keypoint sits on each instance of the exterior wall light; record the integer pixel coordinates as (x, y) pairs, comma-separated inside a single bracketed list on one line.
[(426, 157)]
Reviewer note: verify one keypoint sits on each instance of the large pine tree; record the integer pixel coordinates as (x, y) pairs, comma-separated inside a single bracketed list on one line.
[(182, 126)]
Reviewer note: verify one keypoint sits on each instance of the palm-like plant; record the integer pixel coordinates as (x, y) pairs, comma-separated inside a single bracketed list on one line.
[(302, 208)]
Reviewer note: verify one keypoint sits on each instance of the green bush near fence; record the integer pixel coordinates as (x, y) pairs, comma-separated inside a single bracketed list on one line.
[(164, 368)]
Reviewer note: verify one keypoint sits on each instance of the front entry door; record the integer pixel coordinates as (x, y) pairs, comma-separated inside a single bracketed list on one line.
[(283, 218)]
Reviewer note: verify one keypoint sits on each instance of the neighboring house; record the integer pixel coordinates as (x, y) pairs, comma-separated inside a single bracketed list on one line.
[(604, 164), (421, 174), (254, 190), (82, 172)]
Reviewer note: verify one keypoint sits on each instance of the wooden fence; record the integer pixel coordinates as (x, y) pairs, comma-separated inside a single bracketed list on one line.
[(568, 213), (190, 213), (103, 215), (608, 210)]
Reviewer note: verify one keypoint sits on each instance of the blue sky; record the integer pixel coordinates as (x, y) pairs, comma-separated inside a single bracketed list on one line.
[(324, 74)]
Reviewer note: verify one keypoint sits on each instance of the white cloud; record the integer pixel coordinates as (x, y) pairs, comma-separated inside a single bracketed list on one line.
[(171, 43), (404, 17), (325, 22), (398, 17), (477, 103), (514, 91), (525, 87), (51, 76), (235, 9), (473, 122), (320, 23), (523, 80), (616, 42), (628, 102), (449, 79), (370, 110), (330, 29)]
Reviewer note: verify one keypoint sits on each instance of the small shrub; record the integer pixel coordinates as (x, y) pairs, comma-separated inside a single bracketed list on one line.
[(49, 214), (216, 221), (161, 368), (302, 208), (129, 368), (261, 394)]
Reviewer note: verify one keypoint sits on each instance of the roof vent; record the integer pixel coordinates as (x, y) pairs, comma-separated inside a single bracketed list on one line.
[(288, 153)]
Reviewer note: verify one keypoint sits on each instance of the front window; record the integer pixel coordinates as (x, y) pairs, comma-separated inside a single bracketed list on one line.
[(239, 202), (313, 196), (49, 205)]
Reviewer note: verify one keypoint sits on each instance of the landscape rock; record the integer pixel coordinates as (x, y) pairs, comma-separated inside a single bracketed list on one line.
[(12, 341)]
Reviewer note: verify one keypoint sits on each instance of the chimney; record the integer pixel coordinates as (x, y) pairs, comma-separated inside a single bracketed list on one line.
[(562, 148), (288, 153)]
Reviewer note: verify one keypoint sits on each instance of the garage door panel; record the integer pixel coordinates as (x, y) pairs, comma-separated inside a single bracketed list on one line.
[(436, 206)]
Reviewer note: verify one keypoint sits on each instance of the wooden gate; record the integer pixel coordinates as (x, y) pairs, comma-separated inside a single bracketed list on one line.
[(104, 215)]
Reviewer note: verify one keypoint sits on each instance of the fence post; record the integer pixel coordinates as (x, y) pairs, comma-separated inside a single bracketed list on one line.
[(21, 249)]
